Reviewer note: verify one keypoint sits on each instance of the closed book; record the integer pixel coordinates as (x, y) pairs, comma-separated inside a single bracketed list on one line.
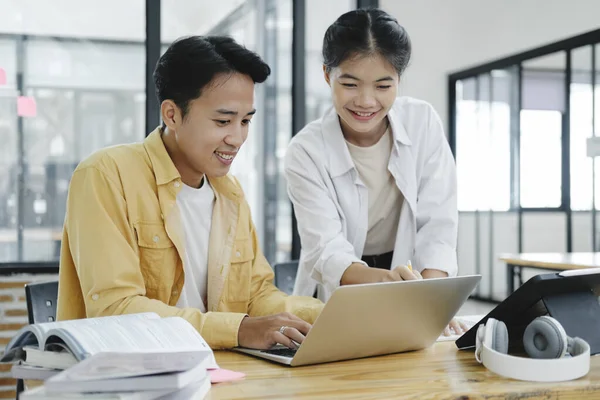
[(123, 372)]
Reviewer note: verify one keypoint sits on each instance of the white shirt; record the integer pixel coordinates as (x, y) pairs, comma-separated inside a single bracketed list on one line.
[(384, 197), (331, 201), (196, 208)]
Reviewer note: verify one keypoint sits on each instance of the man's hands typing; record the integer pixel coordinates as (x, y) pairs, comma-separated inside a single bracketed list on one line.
[(262, 333)]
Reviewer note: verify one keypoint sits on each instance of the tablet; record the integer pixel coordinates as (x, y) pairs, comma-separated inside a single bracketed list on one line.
[(572, 297)]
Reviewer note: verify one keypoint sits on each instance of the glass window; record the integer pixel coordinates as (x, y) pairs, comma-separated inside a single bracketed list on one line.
[(541, 158), (466, 157), (483, 142), (597, 123), (192, 17), (318, 19), (581, 127), (89, 90), (8, 62), (92, 19), (8, 153), (543, 96)]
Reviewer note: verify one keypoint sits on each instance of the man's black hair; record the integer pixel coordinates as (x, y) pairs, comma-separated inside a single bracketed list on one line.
[(191, 63)]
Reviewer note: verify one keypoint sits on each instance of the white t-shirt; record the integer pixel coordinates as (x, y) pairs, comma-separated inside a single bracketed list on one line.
[(196, 208), (385, 199)]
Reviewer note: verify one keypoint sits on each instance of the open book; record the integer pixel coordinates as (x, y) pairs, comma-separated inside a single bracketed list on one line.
[(80, 339)]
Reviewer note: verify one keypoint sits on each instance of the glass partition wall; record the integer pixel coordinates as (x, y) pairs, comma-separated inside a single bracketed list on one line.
[(518, 129)]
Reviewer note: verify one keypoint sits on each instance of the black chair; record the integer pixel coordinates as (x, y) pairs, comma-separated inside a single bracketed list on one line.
[(41, 301), (285, 275), (41, 307)]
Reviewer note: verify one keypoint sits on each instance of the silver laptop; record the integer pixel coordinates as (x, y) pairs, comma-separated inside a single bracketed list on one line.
[(380, 318)]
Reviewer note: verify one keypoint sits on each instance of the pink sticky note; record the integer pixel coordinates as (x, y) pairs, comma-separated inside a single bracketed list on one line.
[(2, 77), (224, 375), (26, 106)]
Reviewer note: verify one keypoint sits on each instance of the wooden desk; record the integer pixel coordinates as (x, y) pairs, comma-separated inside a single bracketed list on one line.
[(555, 261), (440, 372)]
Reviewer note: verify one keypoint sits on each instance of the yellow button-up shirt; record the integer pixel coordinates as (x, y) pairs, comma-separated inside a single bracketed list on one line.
[(123, 243)]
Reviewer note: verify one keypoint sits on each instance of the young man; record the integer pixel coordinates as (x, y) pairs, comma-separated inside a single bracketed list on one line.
[(161, 226)]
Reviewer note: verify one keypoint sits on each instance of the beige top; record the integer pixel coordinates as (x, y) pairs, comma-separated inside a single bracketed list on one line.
[(385, 199)]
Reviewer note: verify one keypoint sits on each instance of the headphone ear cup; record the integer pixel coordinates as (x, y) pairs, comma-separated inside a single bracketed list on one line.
[(499, 334), (545, 338)]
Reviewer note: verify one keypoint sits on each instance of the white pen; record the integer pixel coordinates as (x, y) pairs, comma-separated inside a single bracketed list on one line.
[(409, 265)]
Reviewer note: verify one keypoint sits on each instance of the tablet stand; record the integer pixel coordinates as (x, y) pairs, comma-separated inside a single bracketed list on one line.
[(578, 313)]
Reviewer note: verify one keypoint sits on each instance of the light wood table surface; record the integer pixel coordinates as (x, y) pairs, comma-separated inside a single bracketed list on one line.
[(558, 261), (439, 372), (554, 261)]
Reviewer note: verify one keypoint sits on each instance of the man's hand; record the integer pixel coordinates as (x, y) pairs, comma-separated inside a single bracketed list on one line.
[(265, 332), (455, 327)]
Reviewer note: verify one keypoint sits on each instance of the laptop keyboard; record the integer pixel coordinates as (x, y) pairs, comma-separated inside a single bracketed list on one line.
[(281, 352)]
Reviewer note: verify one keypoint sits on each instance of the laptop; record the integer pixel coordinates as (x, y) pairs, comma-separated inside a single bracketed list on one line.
[(375, 319)]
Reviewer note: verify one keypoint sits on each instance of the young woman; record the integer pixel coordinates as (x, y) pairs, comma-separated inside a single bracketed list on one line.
[(373, 182)]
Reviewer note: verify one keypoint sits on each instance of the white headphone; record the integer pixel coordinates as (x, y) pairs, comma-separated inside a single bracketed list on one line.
[(555, 357)]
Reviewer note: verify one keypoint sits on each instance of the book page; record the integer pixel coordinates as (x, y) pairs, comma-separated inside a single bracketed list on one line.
[(57, 360), (26, 336), (46, 327), (173, 333), (35, 335)]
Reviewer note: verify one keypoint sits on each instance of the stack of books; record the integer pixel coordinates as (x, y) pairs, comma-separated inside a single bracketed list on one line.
[(129, 357)]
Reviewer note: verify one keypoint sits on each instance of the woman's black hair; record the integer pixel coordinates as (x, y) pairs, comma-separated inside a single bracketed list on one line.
[(366, 32), (191, 63)]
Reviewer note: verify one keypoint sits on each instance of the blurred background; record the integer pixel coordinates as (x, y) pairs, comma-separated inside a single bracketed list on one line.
[(516, 84)]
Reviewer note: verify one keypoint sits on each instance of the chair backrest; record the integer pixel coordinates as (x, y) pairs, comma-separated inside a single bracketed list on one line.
[(41, 301), (285, 275)]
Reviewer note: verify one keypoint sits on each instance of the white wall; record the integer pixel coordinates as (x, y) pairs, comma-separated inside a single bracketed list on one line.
[(452, 35)]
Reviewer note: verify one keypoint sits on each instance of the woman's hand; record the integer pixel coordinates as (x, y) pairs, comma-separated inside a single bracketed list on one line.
[(455, 327)]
